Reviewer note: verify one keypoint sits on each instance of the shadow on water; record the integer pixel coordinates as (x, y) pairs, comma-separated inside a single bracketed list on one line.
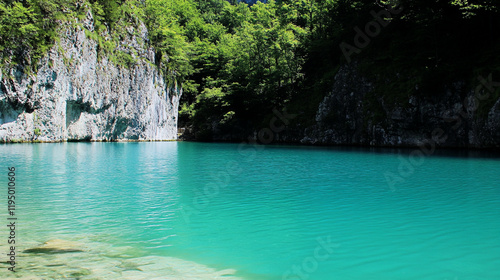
[(438, 152)]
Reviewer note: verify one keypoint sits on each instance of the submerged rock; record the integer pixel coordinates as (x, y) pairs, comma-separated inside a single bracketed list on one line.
[(24, 278), (57, 246), (92, 260), (156, 267)]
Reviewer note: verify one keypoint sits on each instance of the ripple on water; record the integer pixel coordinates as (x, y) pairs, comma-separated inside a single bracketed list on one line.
[(439, 222)]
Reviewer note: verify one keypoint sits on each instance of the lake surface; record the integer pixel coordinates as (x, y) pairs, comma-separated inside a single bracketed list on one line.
[(275, 212)]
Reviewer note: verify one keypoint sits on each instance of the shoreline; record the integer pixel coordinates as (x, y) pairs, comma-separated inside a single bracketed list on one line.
[(297, 144)]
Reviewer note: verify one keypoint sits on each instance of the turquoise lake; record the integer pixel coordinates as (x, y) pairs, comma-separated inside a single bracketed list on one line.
[(271, 212)]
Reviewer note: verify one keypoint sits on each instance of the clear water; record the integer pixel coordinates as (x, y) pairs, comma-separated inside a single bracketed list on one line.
[(265, 212)]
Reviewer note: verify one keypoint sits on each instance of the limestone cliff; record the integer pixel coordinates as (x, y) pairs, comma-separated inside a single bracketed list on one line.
[(77, 94)]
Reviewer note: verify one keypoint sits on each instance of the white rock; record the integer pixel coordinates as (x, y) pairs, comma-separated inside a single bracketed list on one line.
[(76, 95)]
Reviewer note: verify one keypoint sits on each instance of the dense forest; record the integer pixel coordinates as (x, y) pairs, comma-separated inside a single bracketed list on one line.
[(239, 60)]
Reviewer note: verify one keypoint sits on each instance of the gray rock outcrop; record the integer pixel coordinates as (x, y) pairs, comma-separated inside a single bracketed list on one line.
[(78, 94), (353, 115)]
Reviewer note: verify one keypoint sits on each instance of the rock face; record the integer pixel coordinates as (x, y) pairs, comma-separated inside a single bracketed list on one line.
[(78, 95), (352, 115)]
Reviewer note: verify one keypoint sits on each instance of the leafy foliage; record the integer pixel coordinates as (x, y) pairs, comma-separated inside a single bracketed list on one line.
[(237, 60), (27, 29)]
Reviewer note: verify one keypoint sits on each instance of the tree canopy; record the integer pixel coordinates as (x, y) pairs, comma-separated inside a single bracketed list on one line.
[(237, 60)]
